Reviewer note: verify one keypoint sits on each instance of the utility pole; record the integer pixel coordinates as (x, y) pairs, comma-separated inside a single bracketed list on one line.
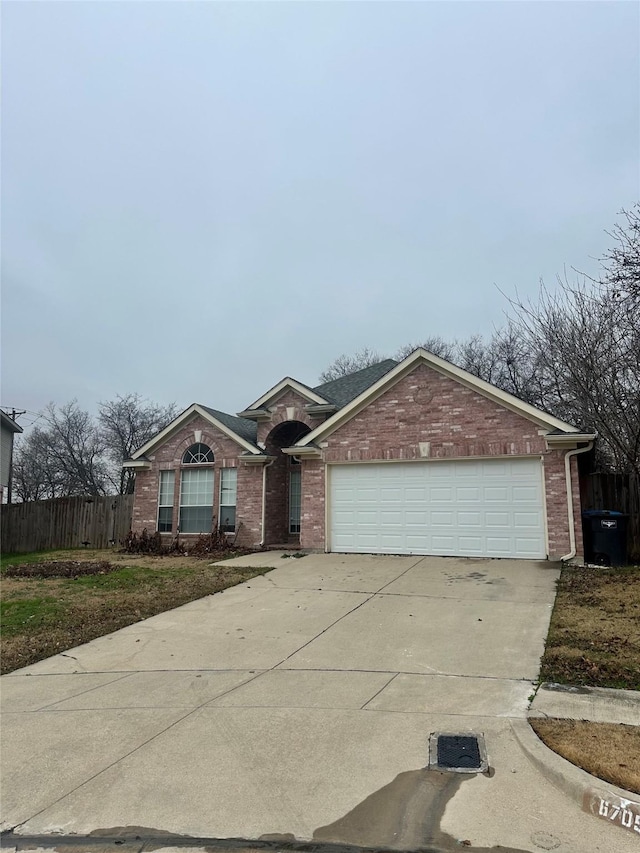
[(15, 414)]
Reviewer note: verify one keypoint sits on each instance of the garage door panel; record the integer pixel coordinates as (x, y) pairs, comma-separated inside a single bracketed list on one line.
[(531, 520), (523, 494), (440, 494), (503, 544), (365, 494), (460, 507), (463, 493), (391, 517), (496, 493), (496, 519), (495, 468), (469, 519), (416, 519), (441, 519), (444, 544)]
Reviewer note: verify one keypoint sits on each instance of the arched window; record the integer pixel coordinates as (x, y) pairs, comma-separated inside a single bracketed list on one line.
[(196, 490), (197, 454)]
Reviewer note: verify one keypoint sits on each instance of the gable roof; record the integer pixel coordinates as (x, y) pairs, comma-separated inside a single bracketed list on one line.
[(309, 394), (421, 356), (242, 431), (345, 389)]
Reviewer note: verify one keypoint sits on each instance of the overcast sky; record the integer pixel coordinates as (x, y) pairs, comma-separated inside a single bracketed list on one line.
[(201, 198)]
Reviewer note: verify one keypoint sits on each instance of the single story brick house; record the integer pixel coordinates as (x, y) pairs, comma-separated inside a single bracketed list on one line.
[(415, 457)]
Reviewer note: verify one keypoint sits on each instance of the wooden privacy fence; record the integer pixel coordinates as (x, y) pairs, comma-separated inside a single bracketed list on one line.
[(65, 523), (620, 492)]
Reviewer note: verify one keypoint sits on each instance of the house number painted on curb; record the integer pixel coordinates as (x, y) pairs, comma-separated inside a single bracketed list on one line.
[(607, 806)]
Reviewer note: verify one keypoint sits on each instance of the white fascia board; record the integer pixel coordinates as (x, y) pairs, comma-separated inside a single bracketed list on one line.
[(188, 414), (321, 408), (136, 463), (304, 452), (421, 356), (255, 414), (569, 440), (288, 382), (255, 459)]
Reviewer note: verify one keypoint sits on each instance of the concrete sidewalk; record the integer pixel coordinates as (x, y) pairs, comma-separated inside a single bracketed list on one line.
[(598, 704), (299, 705)]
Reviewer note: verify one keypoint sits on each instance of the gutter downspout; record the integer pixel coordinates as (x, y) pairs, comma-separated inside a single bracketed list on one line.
[(264, 499), (567, 471)]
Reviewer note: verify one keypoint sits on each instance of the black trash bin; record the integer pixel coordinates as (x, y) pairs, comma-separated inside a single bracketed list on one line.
[(605, 537)]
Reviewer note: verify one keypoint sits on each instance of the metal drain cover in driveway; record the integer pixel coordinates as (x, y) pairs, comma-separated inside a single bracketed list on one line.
[(458, 753)]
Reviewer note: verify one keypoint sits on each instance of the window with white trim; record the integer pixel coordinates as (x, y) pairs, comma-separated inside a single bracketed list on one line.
[(228, 496), (196, 500), (197, 454), (295, 496), (165, 501)]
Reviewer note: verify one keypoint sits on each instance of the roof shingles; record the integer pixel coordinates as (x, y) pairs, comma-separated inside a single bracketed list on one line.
[(241, 426), (345, 389)]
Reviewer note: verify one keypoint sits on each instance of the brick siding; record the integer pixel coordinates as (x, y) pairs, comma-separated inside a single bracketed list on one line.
[(452, 421), (278, 408), (424, 415), (168, 457)]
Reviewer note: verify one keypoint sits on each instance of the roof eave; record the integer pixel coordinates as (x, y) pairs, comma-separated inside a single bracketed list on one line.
[(569, 440), (321, 408), (9, 423), (137, 464), (255, 459), (309, 451), (255, 414)]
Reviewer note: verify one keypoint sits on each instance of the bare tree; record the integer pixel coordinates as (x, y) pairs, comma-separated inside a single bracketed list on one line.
[(516, 365), (61, 459), (73, 454), (621, 264), (126, 424), (346, 364), (434, 344), (574, 351), (585, 344), (35, 474), (77, 448)]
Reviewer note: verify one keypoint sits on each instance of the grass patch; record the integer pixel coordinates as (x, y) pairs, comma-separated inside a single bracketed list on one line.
[(43, 613), (594, 636), (38, 556), (28, 614), (606, 750)]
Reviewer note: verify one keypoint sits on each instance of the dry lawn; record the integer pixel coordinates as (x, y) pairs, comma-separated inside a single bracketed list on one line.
[(594, 638), (608, 751), (42, 616)]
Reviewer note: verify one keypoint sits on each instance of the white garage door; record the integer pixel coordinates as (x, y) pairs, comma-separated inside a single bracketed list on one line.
[(474, 508)]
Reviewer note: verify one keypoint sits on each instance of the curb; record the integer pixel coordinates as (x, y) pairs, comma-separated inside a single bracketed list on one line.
[(572, 780)]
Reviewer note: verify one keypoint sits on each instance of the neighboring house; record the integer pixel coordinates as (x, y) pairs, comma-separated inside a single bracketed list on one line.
[(9, 429), (416, 457)]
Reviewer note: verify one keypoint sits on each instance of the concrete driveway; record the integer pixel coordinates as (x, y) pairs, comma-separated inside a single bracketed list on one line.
[(299, 705)]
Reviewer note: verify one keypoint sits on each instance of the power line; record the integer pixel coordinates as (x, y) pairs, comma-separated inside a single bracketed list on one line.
[(14, 414)]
